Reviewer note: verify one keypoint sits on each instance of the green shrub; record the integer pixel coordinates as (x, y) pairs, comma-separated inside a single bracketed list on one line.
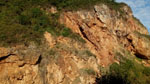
[(43, 21), (26, 22), (143, 36), (77, 37), (66, 32), (36, 12), (131, 71), (19, 34), (90, 71), (87, 71), (89, 53), (146, 71), (82, 4), (52, 52)]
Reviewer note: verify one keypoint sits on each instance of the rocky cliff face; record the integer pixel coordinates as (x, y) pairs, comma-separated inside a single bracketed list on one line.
[(105, 30), (61, 60)]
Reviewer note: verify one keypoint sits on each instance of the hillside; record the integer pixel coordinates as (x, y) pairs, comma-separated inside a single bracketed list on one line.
[(72, 42)]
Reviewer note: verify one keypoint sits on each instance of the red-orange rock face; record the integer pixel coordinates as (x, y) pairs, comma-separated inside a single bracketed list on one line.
[(103, 29)]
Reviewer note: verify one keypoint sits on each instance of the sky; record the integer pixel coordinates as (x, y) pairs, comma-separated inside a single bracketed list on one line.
[(141, 10)]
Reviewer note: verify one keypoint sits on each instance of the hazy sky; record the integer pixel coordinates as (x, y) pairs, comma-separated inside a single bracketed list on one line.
[(141, 10)]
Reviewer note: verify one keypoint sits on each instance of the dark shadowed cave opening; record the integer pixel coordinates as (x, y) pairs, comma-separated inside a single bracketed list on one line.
[(111, 79), (140, 56)]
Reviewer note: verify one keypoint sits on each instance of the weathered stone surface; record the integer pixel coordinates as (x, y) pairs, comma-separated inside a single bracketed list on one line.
[(4, 52), (19, 68), (69, 66), (50, 39)]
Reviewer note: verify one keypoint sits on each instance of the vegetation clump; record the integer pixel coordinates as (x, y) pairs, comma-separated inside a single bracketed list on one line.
[(127, 72), (83, 4), (142, 35), (24, 21), (87, 71)]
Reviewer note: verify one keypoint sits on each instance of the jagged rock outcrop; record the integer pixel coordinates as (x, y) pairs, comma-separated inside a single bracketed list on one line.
[(18, 65), (61, 60), (141, 44), (103, 29)]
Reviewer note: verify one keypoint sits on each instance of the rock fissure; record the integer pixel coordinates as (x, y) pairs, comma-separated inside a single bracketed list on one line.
[(82, 31), (137, 54), (85, 36), (39, 60), (5, 57)]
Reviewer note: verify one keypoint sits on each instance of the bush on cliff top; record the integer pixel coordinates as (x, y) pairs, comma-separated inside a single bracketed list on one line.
[(22, 21), (84, 4)]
